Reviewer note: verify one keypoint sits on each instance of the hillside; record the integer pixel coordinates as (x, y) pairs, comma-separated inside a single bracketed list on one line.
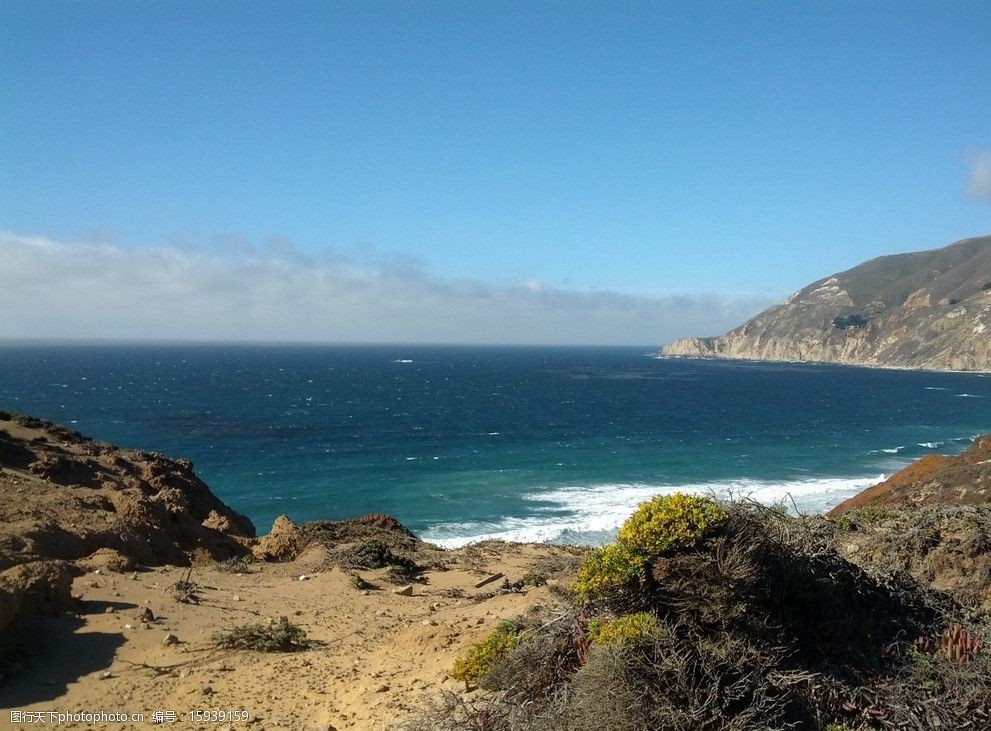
[(926, 310), (936, 479)]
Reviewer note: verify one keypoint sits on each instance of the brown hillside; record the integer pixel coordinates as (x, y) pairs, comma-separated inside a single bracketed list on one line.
[(933, 480)]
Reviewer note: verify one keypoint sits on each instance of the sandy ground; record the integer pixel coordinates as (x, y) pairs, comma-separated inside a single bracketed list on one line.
[(377, 654)]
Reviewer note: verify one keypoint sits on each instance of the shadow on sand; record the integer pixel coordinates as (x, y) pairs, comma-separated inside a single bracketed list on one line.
[(49, 654)]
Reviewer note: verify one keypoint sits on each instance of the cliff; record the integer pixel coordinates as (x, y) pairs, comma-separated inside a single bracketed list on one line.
[(926, 310), (69, 503)]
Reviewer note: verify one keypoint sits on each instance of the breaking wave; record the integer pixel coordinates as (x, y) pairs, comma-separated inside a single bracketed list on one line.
[(591, 515)]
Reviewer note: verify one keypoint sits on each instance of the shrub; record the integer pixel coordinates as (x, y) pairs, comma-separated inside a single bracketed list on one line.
[(660, 525), (855, 320), (534, 578), (630, 630), (481, 656), (669, 522), (369, 554), (374, 554), (608, 571), (280, 637)]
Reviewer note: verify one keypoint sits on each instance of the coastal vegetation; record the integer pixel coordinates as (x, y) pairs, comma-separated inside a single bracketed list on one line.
[(703, 615), (281, 636)]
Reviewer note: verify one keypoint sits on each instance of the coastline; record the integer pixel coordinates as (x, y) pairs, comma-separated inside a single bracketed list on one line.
[(147, 581), (659, 355)]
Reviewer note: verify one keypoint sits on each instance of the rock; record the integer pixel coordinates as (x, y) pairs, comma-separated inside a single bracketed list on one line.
[(382, 688), (404, 591), (34, 588), (282, 542), (170, 639), (103, 507), (103, 560)]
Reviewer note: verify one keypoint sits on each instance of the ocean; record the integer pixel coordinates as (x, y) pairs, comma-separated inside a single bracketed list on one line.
[(466, 443)]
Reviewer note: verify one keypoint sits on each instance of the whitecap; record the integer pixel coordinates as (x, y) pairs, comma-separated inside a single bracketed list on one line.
[(930, 445), (591, 514), (887, 450), (968, 395)]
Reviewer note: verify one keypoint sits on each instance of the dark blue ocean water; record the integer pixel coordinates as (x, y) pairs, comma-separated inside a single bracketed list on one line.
[(526, 443)]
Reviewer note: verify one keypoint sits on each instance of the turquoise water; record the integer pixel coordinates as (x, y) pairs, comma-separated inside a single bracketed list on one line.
[(521, 443)]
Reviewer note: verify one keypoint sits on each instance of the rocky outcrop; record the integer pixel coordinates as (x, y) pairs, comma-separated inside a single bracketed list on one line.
[(286, 541), (935, 479), (926, 310), (65, 498)]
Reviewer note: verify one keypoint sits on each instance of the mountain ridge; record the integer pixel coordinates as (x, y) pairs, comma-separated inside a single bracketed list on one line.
[(927, 310)]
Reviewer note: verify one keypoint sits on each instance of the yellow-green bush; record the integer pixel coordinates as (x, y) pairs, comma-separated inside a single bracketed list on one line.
[(479, 659), (668, 522), (630, 629), (662, 524), (608, 570)]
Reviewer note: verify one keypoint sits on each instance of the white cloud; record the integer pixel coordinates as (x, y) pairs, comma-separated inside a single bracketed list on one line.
[(979, 181), (237, 291)]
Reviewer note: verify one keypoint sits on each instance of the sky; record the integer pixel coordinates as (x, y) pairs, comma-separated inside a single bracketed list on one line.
[(518, 172)]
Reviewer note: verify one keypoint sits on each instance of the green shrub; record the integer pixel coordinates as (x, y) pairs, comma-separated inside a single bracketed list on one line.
[(280, 637), (669, 522), (607, 571), (374, 554), (534, 578), (479, 659), (630, 629)]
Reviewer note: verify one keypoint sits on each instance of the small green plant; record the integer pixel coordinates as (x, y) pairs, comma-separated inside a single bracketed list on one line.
[(480, 657), (374, 554), (607, 571), (369, 554), (669, 522), (282, 636), (630, 630), (534, 578), (236, 565)]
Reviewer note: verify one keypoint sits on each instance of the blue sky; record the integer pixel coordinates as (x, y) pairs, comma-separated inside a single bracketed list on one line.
[(654, 151)]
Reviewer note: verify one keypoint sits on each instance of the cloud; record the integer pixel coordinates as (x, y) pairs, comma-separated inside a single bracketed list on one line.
[(979, 181), (236, 291)]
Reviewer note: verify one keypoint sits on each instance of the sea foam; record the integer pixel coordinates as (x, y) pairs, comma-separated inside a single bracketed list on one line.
[(591, 515)]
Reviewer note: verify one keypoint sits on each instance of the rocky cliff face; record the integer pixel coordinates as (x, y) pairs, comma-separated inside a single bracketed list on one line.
[(927, 310), (68, 503)]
